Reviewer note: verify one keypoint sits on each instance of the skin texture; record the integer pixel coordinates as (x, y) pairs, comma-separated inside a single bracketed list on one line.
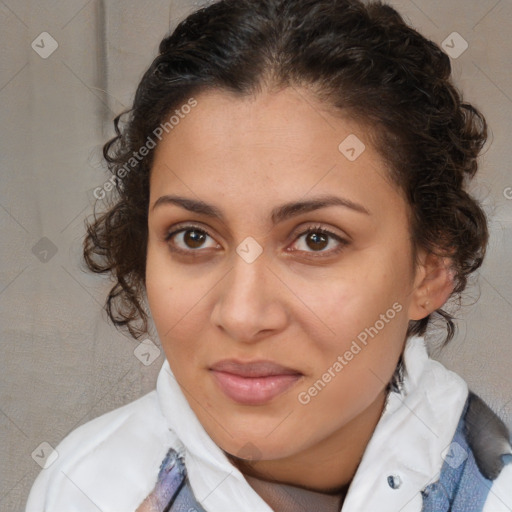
[(300, 303)]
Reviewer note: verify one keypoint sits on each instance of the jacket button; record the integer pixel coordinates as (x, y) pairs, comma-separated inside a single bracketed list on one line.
[(394, 481)]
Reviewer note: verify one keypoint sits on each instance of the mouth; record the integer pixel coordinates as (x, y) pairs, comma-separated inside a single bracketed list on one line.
[(255, 382)]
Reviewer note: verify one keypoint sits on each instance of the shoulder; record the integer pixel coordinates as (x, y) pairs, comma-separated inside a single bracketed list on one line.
[(489, 439), (114, 454)]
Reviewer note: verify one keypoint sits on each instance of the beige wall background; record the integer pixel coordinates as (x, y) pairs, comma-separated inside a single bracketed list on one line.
[(62, 364)]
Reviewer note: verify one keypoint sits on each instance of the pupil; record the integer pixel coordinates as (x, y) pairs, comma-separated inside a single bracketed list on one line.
[(319, 240), (194, 238)]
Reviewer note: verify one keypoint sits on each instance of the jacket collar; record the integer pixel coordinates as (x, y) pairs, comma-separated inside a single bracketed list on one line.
[(406, 450), (404, 454)]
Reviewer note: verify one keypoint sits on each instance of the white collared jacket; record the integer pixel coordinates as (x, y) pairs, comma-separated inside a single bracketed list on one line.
[(110, 464)]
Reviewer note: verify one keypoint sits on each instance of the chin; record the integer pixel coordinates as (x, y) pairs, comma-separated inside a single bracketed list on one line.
[(258, 449), (264, 444)]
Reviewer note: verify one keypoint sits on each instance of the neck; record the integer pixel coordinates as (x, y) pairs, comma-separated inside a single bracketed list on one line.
[(327, 466)]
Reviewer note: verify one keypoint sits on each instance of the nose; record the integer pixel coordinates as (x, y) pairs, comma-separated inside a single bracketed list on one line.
[(250, 304)]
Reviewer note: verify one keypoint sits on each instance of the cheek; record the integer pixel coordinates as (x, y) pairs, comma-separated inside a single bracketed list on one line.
[(159, 287), (177, 301), (165, 294), (355, 300), (351, 366)]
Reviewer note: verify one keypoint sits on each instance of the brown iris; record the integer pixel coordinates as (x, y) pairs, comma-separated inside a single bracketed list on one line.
[(317, 241)]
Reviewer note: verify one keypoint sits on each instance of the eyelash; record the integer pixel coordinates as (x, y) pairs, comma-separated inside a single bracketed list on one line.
[(312, 229)]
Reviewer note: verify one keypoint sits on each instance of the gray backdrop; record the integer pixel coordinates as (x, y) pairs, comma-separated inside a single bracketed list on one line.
[(62, 364)]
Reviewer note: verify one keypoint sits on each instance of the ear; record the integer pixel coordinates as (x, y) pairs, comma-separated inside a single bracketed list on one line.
[(433, 285)]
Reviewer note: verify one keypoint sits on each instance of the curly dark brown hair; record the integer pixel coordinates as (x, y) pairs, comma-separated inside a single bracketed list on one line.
[(359, 59)]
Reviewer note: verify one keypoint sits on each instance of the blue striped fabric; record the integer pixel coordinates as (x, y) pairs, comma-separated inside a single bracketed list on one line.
[(461, 487)]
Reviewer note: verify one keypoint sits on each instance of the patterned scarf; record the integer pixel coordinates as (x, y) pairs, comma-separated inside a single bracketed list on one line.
[(172, 491)]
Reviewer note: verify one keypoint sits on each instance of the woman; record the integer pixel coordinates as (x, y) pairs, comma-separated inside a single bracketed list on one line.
[(292, 208)]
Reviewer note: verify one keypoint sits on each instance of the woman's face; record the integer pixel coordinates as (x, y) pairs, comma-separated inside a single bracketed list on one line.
[(277, 336)]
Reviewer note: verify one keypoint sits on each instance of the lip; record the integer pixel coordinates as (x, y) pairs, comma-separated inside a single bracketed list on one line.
[(254, 382)]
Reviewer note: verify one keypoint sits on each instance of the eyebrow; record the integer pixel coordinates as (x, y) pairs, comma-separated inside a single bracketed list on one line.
[(279, 213)]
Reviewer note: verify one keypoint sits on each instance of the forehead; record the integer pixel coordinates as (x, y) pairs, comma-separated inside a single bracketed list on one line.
[(266, 149)]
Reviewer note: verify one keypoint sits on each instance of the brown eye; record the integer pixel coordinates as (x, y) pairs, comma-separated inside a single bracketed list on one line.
[(316, 239), (194, 238), (189, 239)]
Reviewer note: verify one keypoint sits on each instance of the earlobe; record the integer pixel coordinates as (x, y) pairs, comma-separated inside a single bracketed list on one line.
[(434, 284)]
